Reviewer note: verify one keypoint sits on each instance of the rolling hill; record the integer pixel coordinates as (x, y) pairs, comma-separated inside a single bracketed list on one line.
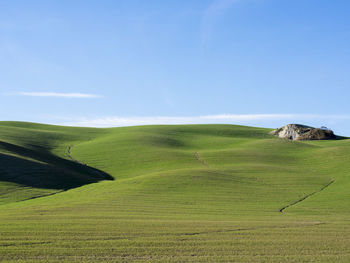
[(181, 193)]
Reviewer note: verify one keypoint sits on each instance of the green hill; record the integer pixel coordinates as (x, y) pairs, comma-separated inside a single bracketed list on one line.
[(182, 193)]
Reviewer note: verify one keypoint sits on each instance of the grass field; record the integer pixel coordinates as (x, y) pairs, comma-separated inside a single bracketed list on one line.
[(183, 193)]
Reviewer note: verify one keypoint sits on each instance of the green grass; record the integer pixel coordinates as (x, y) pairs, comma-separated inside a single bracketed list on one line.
[(184, 193)]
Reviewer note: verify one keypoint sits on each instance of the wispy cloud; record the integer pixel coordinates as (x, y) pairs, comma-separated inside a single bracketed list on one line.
[(57, 94), (246, 119), (210, 16)]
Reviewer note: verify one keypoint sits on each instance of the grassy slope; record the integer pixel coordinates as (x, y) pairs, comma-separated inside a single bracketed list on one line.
[(181, 193), (29, 167)]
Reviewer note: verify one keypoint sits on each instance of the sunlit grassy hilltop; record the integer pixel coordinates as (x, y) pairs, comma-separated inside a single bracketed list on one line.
[(182, 193)]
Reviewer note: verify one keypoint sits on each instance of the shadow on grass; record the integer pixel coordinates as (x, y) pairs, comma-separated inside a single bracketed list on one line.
[(45, 170), (341, 137)]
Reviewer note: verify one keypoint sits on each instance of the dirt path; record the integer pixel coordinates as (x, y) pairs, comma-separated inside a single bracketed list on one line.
[(91, 169), (305, 197), (40, 196), (252, 228), (71, 157), (198, 158)]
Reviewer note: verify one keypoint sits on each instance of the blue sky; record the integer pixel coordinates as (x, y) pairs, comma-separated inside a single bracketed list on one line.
[(114, 63)]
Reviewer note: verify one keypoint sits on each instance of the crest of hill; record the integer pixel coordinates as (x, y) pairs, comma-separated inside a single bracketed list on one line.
[(300, 132)]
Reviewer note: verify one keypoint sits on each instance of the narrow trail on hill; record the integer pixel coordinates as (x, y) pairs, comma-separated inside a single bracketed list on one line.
[(186, 235), (252, 228), (92, 169), (198, 158), (305, 197), (71, 157), (40, 196)]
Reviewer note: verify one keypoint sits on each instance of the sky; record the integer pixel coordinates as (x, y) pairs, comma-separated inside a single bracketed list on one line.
[(112, 63)]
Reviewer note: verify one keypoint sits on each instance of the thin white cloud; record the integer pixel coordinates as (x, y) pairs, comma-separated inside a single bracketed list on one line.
[(245, 119), (56, 94)]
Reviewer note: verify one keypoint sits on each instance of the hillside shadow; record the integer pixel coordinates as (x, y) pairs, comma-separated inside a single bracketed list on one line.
[(341, 137), (45, 170)]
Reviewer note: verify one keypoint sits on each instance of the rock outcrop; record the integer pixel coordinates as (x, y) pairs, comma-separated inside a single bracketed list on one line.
[(302, 132)]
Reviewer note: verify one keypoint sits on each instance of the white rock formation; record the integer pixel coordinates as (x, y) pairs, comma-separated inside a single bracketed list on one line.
[(303, 132)]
